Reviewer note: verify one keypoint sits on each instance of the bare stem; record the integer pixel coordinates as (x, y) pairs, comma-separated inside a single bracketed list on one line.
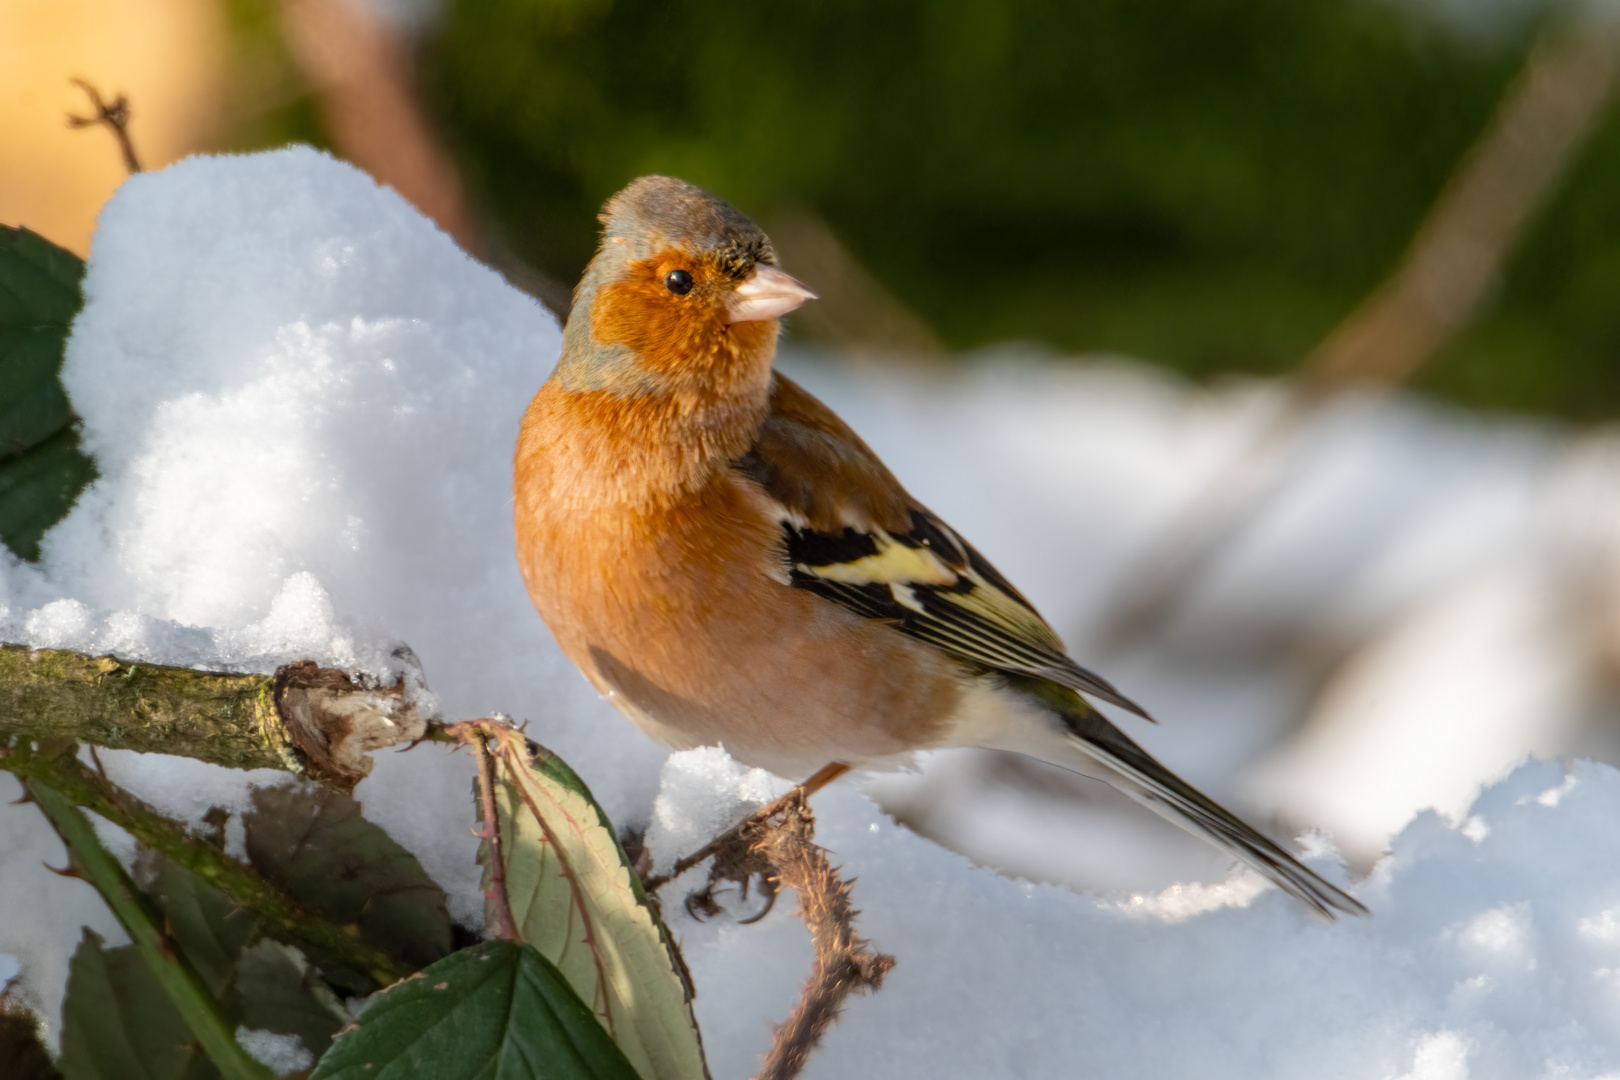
[(310, 721), (506, 925), (826, 775), (114, 116)]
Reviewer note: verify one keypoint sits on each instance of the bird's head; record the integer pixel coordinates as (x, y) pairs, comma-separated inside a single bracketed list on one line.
[(683, 287)]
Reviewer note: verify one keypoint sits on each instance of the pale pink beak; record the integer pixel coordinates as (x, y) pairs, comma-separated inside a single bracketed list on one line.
[(767, 293)]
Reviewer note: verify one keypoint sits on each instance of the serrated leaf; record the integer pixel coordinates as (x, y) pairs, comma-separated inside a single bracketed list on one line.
[(574, 896), (38, 488), (118, 1024), (42, 469), (265, 986), (496, 1011), (33, 405), (316, 845), (275, 990), (40, 283)]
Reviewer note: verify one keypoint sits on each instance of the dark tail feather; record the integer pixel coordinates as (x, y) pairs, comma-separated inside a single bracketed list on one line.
[(1135, 772)]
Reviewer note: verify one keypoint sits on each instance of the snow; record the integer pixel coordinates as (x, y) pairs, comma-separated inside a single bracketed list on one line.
[(303, 398), (282, 1054), (1492, 958)]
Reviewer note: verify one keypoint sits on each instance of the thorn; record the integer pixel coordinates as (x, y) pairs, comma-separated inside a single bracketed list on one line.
[(418, 741), (70, 871)]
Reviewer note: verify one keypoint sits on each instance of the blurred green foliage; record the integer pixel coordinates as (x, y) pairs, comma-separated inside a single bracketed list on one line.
[(1210, 184)]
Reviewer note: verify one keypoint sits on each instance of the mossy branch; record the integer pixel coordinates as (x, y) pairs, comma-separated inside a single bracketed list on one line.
[(310, 721)]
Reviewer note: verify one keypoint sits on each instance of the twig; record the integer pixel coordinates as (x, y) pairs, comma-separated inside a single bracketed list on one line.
[(1544, 120), (1435, 291), (506, 925), (778, 841), (180, 982), (364, 80), (113, 116), (844, 963), (61, 772), (731, 837), (855, 312)]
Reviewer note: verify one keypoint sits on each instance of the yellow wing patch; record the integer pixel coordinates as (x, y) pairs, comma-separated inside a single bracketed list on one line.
[(893, 563)]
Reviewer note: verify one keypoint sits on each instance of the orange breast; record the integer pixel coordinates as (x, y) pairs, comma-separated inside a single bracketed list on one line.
[(669, 605)]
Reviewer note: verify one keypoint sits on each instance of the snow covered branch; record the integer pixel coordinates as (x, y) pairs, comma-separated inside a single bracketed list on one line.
[(311, 721)]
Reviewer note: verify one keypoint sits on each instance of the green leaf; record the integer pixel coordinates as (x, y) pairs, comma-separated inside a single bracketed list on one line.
[(264, 986), (496, 1011), (38, 487), (40, 283), (200, 919), (574, 896), (33, 405), (171, 974), (42, 469), (316, 846), (118, 1023), (275, 990)]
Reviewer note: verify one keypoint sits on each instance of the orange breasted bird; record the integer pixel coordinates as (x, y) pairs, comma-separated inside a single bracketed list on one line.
[(730, 564)]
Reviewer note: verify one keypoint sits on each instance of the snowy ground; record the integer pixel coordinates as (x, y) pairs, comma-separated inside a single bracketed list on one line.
[(303, 399)]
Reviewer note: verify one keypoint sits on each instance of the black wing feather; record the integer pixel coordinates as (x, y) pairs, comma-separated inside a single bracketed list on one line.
[(959, 616)]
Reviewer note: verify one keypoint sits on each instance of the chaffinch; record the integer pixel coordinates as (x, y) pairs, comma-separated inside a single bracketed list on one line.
[(729, 563)]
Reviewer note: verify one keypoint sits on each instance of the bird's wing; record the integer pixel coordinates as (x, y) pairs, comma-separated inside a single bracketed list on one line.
[(854, 536)]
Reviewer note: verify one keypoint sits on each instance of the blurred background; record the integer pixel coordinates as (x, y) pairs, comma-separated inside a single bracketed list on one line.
[(1287, 334)]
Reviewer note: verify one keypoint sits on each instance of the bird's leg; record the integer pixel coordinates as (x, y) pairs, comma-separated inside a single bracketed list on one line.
[(735, 851)]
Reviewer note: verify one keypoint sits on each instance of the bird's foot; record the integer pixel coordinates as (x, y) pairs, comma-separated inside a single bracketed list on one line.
[(740, 856)]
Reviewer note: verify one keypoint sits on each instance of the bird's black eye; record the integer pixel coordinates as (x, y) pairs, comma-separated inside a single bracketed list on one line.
[(678, 282)]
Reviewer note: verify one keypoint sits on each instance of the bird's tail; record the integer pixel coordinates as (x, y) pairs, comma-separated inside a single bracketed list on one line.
[(1090, 745)]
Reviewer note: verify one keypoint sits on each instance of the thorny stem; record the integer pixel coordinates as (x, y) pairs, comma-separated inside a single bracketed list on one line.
[(844, 962), (179, 980), (506, 926), (781, 834), (514, 748), (62, 772), (114, 116), (824, 776)]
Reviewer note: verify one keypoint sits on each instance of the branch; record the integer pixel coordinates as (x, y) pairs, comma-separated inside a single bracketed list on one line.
[(1436, 289), (844, 962), (63, 773), (1457, 255), (310, 721), (114, 117), (364, 79), (777, 841)]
